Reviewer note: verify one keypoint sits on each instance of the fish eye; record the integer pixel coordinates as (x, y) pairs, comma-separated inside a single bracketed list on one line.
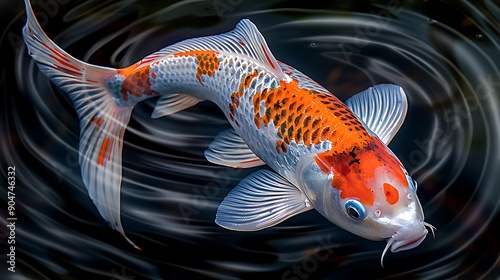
[(355, 209), (412, 183)]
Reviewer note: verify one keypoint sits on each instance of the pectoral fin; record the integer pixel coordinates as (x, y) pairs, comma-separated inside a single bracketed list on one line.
[(261, 200), (382, 108)]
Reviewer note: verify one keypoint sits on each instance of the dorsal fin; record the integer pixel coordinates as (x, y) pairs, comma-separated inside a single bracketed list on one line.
[(257, 46), (244, 40)]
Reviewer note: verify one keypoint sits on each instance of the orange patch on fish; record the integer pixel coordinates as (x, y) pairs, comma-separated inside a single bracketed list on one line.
[(391, 193), (280, 146), (301, 114), (64, 63), (97, 121), (353, 169), (103, 151), (136, 81), (236, 96), (251, 160), (207, 60), (349, 181)]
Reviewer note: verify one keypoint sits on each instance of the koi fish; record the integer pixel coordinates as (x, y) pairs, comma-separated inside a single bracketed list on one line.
[(325, 154)]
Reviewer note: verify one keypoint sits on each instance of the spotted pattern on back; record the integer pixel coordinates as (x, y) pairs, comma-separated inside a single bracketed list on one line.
[(307, 116), (207, 60), (136, 81), (237, 95)]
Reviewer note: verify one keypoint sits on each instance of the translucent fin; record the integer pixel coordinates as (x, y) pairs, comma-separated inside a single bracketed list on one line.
[(102, 121), (101, 144), (382, 108), (173, 103), (229, 149), (244, 40), (261, 200)]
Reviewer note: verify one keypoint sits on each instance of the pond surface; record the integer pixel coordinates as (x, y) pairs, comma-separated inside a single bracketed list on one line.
[(445, 54)]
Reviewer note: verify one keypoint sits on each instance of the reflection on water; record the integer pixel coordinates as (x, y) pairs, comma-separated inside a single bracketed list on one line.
[(444, 56)]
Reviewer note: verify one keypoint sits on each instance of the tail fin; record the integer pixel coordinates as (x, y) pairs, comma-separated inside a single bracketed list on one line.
[(102, 121)]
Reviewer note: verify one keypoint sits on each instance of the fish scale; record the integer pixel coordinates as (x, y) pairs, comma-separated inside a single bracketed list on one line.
[(178, 73)]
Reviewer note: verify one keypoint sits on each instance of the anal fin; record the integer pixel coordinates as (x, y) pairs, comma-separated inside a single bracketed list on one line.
[(173, 103)]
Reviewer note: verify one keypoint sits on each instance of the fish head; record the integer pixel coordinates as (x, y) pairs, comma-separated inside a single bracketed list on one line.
[(401, 223), (368, 192)]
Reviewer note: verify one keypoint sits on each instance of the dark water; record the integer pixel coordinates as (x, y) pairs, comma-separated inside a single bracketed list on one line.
[(445, 54)]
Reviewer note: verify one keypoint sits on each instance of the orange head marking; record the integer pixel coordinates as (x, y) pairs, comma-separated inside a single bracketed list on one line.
[(355, 171), (391, 193)]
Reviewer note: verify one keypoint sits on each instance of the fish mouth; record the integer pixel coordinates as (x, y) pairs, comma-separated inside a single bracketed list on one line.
[(396, 243), (400, 245), (403, 245)]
